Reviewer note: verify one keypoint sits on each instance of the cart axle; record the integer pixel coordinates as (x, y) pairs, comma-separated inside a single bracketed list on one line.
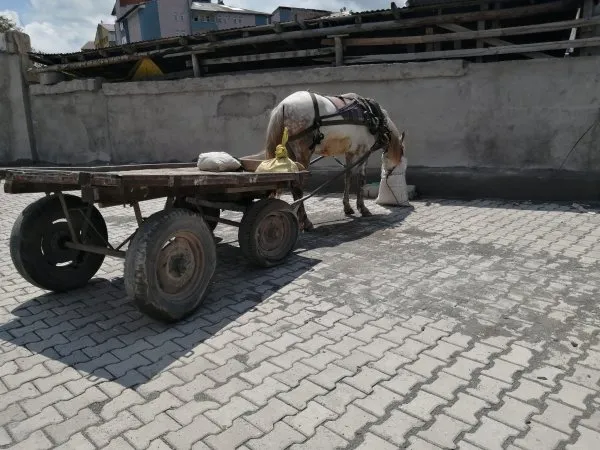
[(95, 249)]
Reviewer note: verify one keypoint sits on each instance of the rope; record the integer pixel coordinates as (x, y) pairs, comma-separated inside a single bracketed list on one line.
[(578, 141)]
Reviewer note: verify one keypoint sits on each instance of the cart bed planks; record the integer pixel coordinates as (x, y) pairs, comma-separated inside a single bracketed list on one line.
[(166, 177)]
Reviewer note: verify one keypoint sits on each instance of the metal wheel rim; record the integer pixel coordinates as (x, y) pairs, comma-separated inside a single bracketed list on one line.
[(179, 265), (52, 240), (274, 235)]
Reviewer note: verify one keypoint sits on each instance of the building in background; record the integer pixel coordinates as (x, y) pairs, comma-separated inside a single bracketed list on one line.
[(139, 20), (143, 20), (206, 15), (105, 35), (89, 45), (293, 14)]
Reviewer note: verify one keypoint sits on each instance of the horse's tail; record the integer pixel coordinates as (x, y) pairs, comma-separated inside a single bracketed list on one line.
[(274, 131)]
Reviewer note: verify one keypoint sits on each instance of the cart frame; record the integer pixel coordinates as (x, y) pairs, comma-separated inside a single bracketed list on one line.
[(267, 234)]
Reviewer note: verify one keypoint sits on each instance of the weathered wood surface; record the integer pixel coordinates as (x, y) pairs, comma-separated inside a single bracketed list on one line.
[(268, 56), (461, 33), (41, 180), (105, 168), (473, 52), (494, 41)]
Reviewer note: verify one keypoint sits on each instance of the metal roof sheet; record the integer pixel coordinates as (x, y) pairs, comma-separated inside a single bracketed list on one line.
[(214, 7), (108, 26)]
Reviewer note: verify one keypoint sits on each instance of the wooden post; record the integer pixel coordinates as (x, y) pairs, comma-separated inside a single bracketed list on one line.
[(438, 45), (339, 51), (429, 47), (481, 27), (338, 42), (588, 32), (196, 66)]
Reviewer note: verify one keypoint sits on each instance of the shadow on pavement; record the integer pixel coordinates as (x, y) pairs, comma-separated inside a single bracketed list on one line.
[(98, 331), (331, 233)]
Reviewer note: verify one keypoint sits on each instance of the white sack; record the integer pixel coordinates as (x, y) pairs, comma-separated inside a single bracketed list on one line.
[(218, 162), (393, 190)]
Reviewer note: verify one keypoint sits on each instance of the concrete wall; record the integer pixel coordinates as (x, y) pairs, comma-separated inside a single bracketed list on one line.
[(16, 137), (509, 115)]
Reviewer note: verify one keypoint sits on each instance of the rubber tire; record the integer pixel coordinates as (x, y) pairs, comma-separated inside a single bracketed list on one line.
[(248, 229), (141, 283), (213, 212), (25, 241)]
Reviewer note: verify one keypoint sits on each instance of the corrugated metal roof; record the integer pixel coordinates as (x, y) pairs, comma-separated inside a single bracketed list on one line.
[(214, 7), (302, 9)]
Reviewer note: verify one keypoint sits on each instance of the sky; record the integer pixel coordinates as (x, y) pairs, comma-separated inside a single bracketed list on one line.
[(61, 26)]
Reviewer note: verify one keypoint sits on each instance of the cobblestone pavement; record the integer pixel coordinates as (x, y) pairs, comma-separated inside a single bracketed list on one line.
[(454, 324)]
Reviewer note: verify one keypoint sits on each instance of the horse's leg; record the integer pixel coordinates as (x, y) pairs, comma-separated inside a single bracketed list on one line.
[(360, 194), (347, 183), (298, 193)]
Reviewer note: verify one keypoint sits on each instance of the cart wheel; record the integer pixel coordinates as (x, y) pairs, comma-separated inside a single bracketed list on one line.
[(213, 212), (268, 232), (37, 243), (169, 264)]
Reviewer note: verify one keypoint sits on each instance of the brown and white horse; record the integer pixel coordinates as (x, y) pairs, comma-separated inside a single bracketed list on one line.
[(352, 140)]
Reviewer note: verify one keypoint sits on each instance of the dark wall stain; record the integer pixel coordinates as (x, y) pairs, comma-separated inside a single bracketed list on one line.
[(246, 105)]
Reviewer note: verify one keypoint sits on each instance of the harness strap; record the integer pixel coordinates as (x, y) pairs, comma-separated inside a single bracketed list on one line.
[(376, 125)]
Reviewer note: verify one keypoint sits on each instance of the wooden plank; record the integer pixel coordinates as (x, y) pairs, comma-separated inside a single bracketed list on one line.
[(47, 180), (496, 42), (461, 33), (508, 13), (177, 178), (269, 56), (105, 168), (474, 52)]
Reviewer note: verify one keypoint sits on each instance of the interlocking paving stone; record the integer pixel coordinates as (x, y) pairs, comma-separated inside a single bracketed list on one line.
[(466, 324)]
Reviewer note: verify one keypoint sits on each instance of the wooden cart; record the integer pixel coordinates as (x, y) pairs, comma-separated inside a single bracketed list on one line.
[(59, 242)]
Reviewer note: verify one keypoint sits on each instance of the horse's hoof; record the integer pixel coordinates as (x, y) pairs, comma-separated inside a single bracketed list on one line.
[(365, 212), (309, 227), (348, 210)]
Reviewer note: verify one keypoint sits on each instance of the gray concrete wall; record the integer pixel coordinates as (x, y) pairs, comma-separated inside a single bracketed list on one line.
[(508, 115), (16, 141)]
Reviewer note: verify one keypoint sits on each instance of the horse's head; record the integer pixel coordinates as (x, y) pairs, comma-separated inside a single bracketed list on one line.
[(394, 155)]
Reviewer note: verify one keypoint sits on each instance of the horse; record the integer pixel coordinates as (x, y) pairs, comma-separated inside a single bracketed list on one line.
[(346, 124)]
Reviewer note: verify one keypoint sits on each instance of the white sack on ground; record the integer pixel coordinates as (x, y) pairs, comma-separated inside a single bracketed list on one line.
[(393, 190), (218, 162)]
